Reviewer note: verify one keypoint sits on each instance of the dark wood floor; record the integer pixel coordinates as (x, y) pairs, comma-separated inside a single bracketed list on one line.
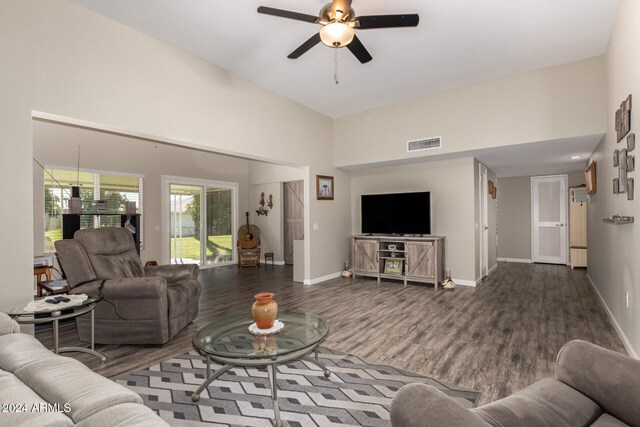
[(496, 338)]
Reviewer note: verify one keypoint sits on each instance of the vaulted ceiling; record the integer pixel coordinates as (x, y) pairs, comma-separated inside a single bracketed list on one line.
[(458, 43)]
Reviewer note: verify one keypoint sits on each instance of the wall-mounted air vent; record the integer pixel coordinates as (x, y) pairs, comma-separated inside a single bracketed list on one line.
[(424, 144)]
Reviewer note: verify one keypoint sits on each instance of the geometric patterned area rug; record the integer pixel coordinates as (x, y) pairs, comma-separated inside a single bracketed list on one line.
[(357, 393)]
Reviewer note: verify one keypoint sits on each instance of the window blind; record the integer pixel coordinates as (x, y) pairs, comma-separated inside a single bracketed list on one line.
[(114, 189)]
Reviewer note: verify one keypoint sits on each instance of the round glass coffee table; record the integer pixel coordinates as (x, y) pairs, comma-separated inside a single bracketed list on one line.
[(229, 342), (54, 314)]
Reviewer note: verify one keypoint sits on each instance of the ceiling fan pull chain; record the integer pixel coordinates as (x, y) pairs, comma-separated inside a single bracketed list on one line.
[(335, 65)]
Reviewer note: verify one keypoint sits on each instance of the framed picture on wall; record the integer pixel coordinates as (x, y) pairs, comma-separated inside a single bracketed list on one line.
[(324, 187)]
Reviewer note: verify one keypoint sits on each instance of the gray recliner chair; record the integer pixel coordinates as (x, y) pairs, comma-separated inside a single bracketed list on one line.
[(593, 386), (142, 305)]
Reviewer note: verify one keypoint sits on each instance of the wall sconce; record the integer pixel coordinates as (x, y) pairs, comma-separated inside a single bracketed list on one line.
[(261, 210)]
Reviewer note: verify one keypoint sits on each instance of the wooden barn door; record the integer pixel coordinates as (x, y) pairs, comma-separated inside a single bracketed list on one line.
[(293, 197)]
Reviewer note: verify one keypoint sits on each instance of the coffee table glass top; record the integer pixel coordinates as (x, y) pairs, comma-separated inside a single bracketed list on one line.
[(17, 309), (230, 338)]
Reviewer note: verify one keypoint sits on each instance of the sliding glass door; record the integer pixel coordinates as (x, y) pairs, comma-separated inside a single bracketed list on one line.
[(201, 222), (185, 244)]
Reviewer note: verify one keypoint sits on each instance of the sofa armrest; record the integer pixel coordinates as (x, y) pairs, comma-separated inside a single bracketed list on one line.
[(173, 273), (418, 405), (8, 325), (127, 288), (610, 379)]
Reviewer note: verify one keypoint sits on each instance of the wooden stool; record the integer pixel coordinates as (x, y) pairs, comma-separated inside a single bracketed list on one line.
[(43, 270), (267, 256)]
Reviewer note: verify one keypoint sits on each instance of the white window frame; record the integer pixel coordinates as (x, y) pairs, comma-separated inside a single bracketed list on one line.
[(167, 180)]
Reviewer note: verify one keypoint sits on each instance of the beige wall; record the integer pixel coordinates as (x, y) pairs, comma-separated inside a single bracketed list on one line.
[(68, 61), (558, 102), (514, 215), (56, 145), (613, 250), (451, 184)]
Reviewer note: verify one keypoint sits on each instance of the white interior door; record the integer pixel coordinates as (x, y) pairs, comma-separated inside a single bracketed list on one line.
[(549, 219)]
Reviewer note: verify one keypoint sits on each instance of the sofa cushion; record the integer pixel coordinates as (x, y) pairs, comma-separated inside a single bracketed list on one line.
[(111, 251), (26, 408), (606, 420), (18, 350), (548, 402), (124, 415), (65, 380), (77, 267)]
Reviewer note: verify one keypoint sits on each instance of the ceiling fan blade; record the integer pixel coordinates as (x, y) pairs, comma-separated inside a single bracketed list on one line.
[(288, 14), (387, 21), (313, 40), (359, 51)]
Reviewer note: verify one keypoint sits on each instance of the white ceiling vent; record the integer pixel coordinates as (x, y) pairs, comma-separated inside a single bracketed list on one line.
[(424, 144)]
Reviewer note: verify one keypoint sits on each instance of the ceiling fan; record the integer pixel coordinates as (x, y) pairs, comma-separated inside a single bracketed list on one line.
[(339, 23)]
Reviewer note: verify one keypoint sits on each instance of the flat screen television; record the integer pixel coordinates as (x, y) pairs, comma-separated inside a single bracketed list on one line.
[(396, 213)]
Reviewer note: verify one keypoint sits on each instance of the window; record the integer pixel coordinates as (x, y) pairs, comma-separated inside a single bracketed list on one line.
[(115, 189)]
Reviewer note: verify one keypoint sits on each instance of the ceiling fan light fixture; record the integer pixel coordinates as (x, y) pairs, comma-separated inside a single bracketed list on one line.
[(337, 34)]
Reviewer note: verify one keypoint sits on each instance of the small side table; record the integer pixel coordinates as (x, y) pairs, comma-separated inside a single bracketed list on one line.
[(54, 315), (52, 287), (268, 256)]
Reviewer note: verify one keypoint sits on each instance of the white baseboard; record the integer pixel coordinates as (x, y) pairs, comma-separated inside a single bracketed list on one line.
[(322, 279), (461, 282), (627, 345), (524, 261), (274, 262)]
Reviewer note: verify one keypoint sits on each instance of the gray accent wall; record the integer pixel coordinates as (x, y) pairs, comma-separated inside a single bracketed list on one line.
[(451, 184), (514, 218), (514, 215)]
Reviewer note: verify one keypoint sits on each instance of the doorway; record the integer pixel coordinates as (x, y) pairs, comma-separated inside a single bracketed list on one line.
[(199, 222), (549, 219), (293, 218), (483, 189)]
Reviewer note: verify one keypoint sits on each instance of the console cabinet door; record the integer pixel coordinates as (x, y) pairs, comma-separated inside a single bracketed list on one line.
[(366, 256), (420, 260)]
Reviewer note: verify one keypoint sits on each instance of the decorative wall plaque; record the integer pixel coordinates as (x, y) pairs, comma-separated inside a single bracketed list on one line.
[(623, 119)]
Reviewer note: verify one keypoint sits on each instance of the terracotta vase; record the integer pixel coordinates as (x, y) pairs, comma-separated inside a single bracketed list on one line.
[(264, 311)]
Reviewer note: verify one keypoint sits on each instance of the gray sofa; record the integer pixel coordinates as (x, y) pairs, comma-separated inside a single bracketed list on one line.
[(592, 386), (40, 388), (141, 305)]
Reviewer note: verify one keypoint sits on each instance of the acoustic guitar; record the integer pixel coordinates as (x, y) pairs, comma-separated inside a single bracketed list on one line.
[(246, 239)]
